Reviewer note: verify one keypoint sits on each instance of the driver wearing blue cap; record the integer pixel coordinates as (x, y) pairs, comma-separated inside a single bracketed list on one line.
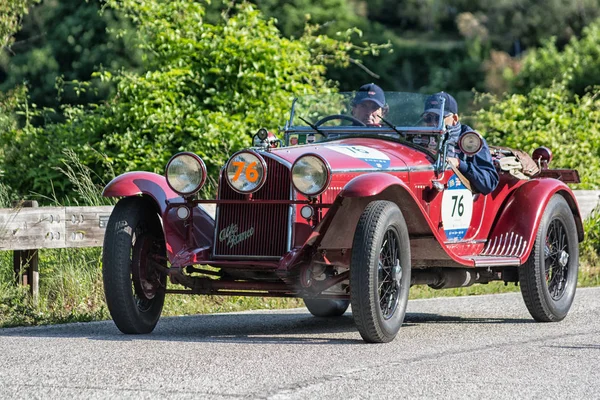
[(369, 105)]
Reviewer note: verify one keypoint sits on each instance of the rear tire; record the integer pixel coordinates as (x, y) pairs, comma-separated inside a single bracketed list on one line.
[(134, 252), (380, 272), (327, 307), (549, 277)]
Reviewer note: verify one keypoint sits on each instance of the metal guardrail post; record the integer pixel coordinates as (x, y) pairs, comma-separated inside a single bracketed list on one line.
[(25, 262)]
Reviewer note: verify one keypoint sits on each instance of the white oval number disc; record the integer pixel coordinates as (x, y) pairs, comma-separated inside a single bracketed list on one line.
[(457, 209)]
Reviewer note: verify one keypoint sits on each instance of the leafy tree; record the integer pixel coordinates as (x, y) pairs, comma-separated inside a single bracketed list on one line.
[(206, 88), (64, 43), (576, 66), (291, 15), (11, 12)]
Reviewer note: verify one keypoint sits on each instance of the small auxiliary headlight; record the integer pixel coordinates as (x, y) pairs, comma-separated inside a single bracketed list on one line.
[(470, 143), (185, 173), (311, 175), (183, 212), (262, 134), (307, 212)]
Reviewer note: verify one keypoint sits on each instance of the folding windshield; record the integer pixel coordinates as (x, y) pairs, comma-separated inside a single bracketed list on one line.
[(408, 112)]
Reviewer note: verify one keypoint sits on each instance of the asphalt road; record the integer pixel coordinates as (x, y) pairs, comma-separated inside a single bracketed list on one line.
[(465, 347)]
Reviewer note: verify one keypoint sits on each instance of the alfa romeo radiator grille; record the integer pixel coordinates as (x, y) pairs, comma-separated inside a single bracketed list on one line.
[(255, 229)]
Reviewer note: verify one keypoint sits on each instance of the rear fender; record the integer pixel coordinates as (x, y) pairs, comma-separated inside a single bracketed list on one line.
[(515, 229), (181, 248)]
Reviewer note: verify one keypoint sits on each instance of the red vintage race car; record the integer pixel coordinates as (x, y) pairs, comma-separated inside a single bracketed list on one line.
[(339, 213)]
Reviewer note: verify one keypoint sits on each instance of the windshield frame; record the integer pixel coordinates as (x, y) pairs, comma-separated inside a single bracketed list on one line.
[(396, 133)]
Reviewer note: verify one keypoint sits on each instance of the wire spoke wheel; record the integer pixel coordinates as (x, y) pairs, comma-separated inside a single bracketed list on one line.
[(556, 259), (389, 271), (380, 272), (549, 277)]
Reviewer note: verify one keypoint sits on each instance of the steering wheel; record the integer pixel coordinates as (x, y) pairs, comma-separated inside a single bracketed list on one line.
[(339, 116)]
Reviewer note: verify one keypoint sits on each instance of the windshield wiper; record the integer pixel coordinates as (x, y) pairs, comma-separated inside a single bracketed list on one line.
[(402, 134), (313, 126)]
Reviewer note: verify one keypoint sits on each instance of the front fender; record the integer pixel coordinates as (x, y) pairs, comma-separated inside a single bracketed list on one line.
[(139, 182), (368, 185), (184, 246), (341, 220), (522, 215)]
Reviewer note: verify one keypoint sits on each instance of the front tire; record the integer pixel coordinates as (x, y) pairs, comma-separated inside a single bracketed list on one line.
[(549, 277), (133, 262), (380, 272), (327, 307)]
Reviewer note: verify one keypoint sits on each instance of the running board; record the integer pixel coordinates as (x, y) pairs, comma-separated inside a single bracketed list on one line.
[(494, 261)]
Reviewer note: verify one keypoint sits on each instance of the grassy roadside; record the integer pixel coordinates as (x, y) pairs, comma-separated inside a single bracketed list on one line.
[(71, 291)]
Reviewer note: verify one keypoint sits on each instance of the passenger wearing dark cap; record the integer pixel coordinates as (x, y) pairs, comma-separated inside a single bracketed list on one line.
[(369, 105), (478, 169)]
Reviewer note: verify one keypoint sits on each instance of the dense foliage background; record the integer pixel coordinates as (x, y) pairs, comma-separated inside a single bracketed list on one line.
[(90, 89), (125, 84)]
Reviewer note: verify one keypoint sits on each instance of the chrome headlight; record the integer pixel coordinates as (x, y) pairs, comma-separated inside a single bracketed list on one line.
[(311, 175), (470, 143), (186, 173), (246, 172)]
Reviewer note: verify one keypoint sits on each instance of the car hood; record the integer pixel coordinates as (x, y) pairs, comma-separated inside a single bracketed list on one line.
[(359, 154)]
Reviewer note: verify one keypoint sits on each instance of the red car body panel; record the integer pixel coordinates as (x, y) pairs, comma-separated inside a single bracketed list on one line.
[(514, 208), (522, 213)]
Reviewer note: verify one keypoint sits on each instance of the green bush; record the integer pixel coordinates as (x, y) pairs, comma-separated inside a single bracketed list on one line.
[(551, 117), (207, 88)]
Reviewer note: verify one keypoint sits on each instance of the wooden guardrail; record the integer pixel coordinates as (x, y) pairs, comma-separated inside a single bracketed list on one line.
[(27, 228)]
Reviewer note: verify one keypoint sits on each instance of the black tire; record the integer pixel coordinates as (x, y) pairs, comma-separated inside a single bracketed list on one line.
[(134, 250), (327, 307), (380, 272), (549, 277)]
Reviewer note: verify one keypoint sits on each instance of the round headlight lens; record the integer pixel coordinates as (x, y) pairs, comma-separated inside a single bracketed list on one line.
[(186, 173), (310, 175), (246, 172), (470, 143)]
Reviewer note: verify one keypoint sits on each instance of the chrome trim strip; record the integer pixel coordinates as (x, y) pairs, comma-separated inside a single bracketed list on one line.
[(393, 169), (217, 208), (228, 257), (492, 261), (518, 250), (277, 158), (347, 170), (291, 218), (475, 241), (511, 245), (513, 249), (503, 248)]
